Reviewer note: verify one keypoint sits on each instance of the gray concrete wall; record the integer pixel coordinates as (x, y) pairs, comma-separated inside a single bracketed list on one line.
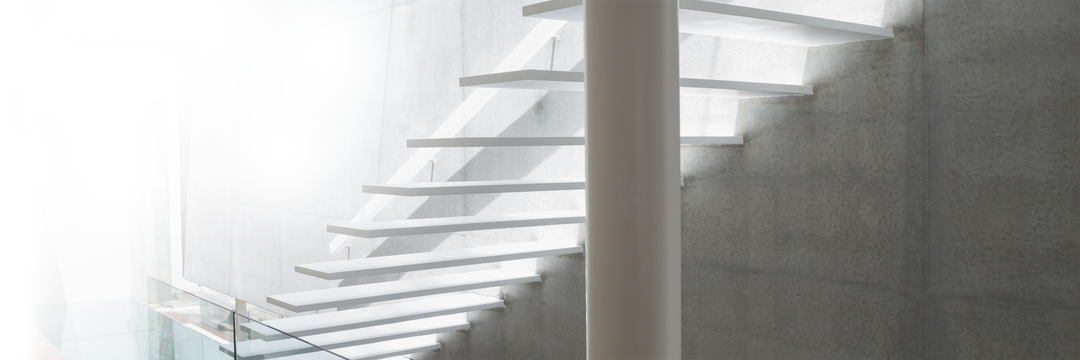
[(1002, 278), (922, 204)]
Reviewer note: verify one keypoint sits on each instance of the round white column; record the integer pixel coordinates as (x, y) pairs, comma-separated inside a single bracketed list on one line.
[(633, 248)]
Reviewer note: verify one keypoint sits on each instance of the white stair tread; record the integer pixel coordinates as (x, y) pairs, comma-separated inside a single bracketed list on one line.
[(379, 229), (528, 79), (370, 316), (401, 289), (336, 270), (575, 81), (496, 141), (551, 141), (738, 22), (711, 140), (259, 349), (474, 187), (380, 350)]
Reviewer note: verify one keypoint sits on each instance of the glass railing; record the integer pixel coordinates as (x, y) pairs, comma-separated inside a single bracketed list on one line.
[(186, 326)]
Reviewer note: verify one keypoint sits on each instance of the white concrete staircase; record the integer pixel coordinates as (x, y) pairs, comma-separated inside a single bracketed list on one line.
[(436, 304)]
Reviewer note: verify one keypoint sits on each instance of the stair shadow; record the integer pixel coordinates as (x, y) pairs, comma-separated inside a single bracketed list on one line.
[(437, 206)]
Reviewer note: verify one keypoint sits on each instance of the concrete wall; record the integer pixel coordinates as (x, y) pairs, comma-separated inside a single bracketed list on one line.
[(923, 203), (1002, 278)]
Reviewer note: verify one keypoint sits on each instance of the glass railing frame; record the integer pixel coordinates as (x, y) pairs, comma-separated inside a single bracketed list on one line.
[(154, 297), (155, 285)]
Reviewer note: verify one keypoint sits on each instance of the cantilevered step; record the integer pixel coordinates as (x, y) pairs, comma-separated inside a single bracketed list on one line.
[(738, 22), (380, 229), (575, 81), (496, 141), (374, 351), (474, 187), (336, 270), (402, 289), (550, 141), (370, 316), (711, 140), (259, 349)]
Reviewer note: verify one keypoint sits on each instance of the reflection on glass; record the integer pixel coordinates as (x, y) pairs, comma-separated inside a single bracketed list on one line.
[(183, 326)]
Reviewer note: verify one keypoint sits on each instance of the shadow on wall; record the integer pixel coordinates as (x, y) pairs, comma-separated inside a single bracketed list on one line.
[(440, 206)]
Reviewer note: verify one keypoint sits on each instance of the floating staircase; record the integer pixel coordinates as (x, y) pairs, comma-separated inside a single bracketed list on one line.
[(259, 349), (436, 304), (401, 289), (304, 326)]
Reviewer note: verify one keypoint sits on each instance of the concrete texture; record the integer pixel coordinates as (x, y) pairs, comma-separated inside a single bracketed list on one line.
[(960, 328), (739, 314), (828, 186), (924, 203), (932, 179), (1003, 97)]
